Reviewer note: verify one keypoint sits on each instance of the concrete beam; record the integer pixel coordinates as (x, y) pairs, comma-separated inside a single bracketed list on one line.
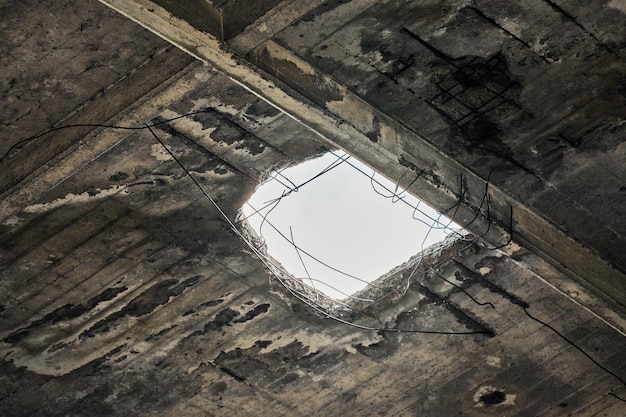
[(223, 19)]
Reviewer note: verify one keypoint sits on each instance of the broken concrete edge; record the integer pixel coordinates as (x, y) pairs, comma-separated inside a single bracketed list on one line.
[(330, 125)]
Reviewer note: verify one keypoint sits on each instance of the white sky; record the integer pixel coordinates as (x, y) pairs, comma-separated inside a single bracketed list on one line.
[(340, 219)]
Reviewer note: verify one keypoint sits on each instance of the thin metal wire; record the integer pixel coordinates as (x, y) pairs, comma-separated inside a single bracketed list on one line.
[(295, 247), (396, 195), (276, 271)]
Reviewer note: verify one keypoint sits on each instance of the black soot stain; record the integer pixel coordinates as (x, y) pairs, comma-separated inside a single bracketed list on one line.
[(146, 302), (223, 318), (493, 398), (260, 309), (118, 176), (64, 313)]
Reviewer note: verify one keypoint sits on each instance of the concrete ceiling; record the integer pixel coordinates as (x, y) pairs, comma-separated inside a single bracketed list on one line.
[(124, 159)]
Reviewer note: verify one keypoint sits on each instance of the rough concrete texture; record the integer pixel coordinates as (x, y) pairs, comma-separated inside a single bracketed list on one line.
[(223, 19), (124, 291), (74, 69), (528, 96)]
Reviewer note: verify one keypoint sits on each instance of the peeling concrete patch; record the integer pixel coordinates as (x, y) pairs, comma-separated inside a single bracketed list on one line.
[(216, 104), (352, 110), (146, 302), (160, 153), (281, 54), (215, 131), (192, 127), (618, 5), (71, 198), (512, 248), (219, 171), (203, 75), (11, 221), (493, 361), (485, 270), (313, 342)]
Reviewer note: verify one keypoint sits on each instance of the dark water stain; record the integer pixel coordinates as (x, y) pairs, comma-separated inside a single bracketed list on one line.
[(290, 377), (157, 295), (478, 131), (322, 8), (203, 306), (260, 309), (374, 134), (252, 145), (146, 302), (64, 313), (221, 319), (241, 363), (396, 62), (161, 333), (485, 95), (262, 343), (493, 398), (118, 176), (261, 109), (218, 388), (389, 345), (226, 317)]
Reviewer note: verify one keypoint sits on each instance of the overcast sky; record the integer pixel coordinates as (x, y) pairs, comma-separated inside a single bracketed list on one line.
[(340, 219)]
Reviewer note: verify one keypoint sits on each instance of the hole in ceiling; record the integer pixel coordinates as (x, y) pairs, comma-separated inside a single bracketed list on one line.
[(337, 225)]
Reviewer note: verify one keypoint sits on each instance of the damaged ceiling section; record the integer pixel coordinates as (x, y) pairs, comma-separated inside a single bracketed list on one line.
[(134, 131)]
